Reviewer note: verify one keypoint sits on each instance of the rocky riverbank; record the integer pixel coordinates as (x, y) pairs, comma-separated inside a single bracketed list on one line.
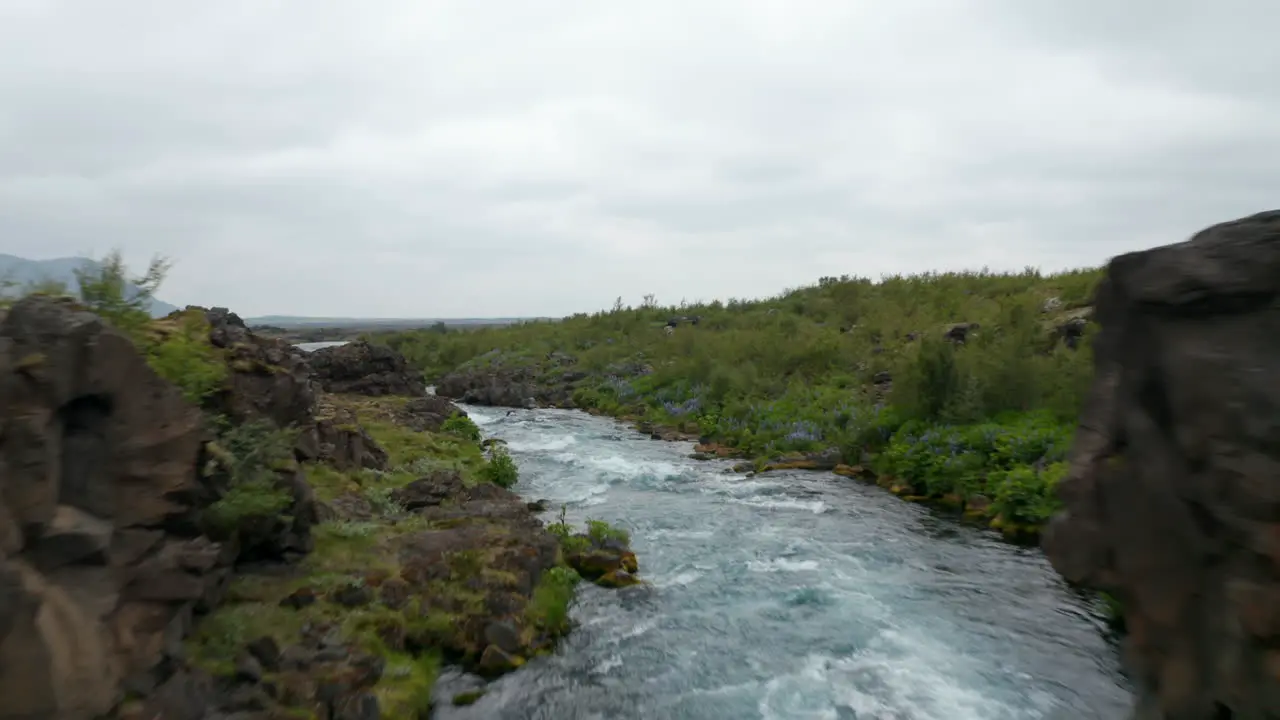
[(482, 388), (192, 527)]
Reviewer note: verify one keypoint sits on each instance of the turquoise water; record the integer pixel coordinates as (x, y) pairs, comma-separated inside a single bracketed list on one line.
[(791, 595)]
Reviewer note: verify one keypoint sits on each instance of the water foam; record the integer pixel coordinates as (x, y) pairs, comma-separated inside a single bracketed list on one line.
[(781, 596)]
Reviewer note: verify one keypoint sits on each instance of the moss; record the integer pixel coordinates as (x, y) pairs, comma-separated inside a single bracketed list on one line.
[(407, 449), (436, 620), (328, 482), (405, 688), (219, 637)]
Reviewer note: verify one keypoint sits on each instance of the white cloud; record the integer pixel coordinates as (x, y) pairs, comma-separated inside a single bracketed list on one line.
[(499, 157)]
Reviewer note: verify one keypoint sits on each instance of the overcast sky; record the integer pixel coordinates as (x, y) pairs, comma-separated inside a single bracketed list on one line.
[(437, 158)]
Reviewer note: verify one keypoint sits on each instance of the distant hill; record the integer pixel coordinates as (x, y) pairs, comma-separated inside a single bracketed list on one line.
[(295, 321), (23, 272)]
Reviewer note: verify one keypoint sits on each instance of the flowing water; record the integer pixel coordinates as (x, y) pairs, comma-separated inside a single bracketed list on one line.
[(790, 595)]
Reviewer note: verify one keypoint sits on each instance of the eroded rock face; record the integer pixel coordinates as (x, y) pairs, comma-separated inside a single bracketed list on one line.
[(1173, 499), (105, 479), (98, 461), (359, 368)]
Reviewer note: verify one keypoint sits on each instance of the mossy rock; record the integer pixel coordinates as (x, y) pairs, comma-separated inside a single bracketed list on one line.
[(618, 579)]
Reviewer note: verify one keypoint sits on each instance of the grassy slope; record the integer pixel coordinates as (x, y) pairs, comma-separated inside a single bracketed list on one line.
[(363, 552), (984, 426)]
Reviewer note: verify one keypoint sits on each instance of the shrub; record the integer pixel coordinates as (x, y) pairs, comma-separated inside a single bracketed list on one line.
[(462, 426), (599, 531), (501, 469), (548, 609), (186, 358), (254, 452), (105, 288)]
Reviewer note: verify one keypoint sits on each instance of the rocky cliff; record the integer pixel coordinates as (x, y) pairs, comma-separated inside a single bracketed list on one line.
[(1172, 503), (104, 561)]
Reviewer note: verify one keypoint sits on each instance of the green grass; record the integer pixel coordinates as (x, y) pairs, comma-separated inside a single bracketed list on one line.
[(549, 608), (984, 423)]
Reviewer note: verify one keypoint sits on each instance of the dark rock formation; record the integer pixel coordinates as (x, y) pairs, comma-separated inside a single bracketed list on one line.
[(959, 332), (1172, 503), (105, 477), (269, 378), (340, 441), (363, 369), (502, 387), (1071, 328), (333, 678), (427, 414), (99, 568)]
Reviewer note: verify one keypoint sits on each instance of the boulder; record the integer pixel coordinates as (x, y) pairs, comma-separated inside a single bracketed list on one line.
[(360, 368), (1172, 502), (429, 413), (342, 442)]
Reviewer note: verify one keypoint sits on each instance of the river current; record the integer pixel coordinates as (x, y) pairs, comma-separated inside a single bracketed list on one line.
[(790, 595)]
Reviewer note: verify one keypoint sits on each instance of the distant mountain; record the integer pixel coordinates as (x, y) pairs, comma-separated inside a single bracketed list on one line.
[(23, 272)]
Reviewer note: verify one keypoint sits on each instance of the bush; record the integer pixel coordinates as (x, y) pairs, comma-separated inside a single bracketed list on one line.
[(501, 469), (548, 609), (107, 290), (186, 358), (251, 454), (462, 426)]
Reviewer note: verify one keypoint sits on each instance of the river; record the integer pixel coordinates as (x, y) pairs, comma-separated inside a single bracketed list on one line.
[(790, 595)]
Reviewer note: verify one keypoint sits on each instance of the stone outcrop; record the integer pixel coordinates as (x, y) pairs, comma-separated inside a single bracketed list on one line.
[(273, 380), (359, 368), (269, 378), (101, 565), (1172, 503), (511, 386), (108, 478)]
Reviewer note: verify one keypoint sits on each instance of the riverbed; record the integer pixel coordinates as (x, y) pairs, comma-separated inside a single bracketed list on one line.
[(791, 595)]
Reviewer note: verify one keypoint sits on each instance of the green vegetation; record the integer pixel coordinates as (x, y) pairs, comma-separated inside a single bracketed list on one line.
[(878, 372), (598, 533), (501, 469), (462, 426), (446, 595), (252, 454), (393, 583), (549, 608)]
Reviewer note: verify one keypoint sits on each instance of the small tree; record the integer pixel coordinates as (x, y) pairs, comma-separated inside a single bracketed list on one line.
[(107, 290)]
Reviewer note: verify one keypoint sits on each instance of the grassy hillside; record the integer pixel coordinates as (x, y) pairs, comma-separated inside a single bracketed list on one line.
[(873, 370)]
